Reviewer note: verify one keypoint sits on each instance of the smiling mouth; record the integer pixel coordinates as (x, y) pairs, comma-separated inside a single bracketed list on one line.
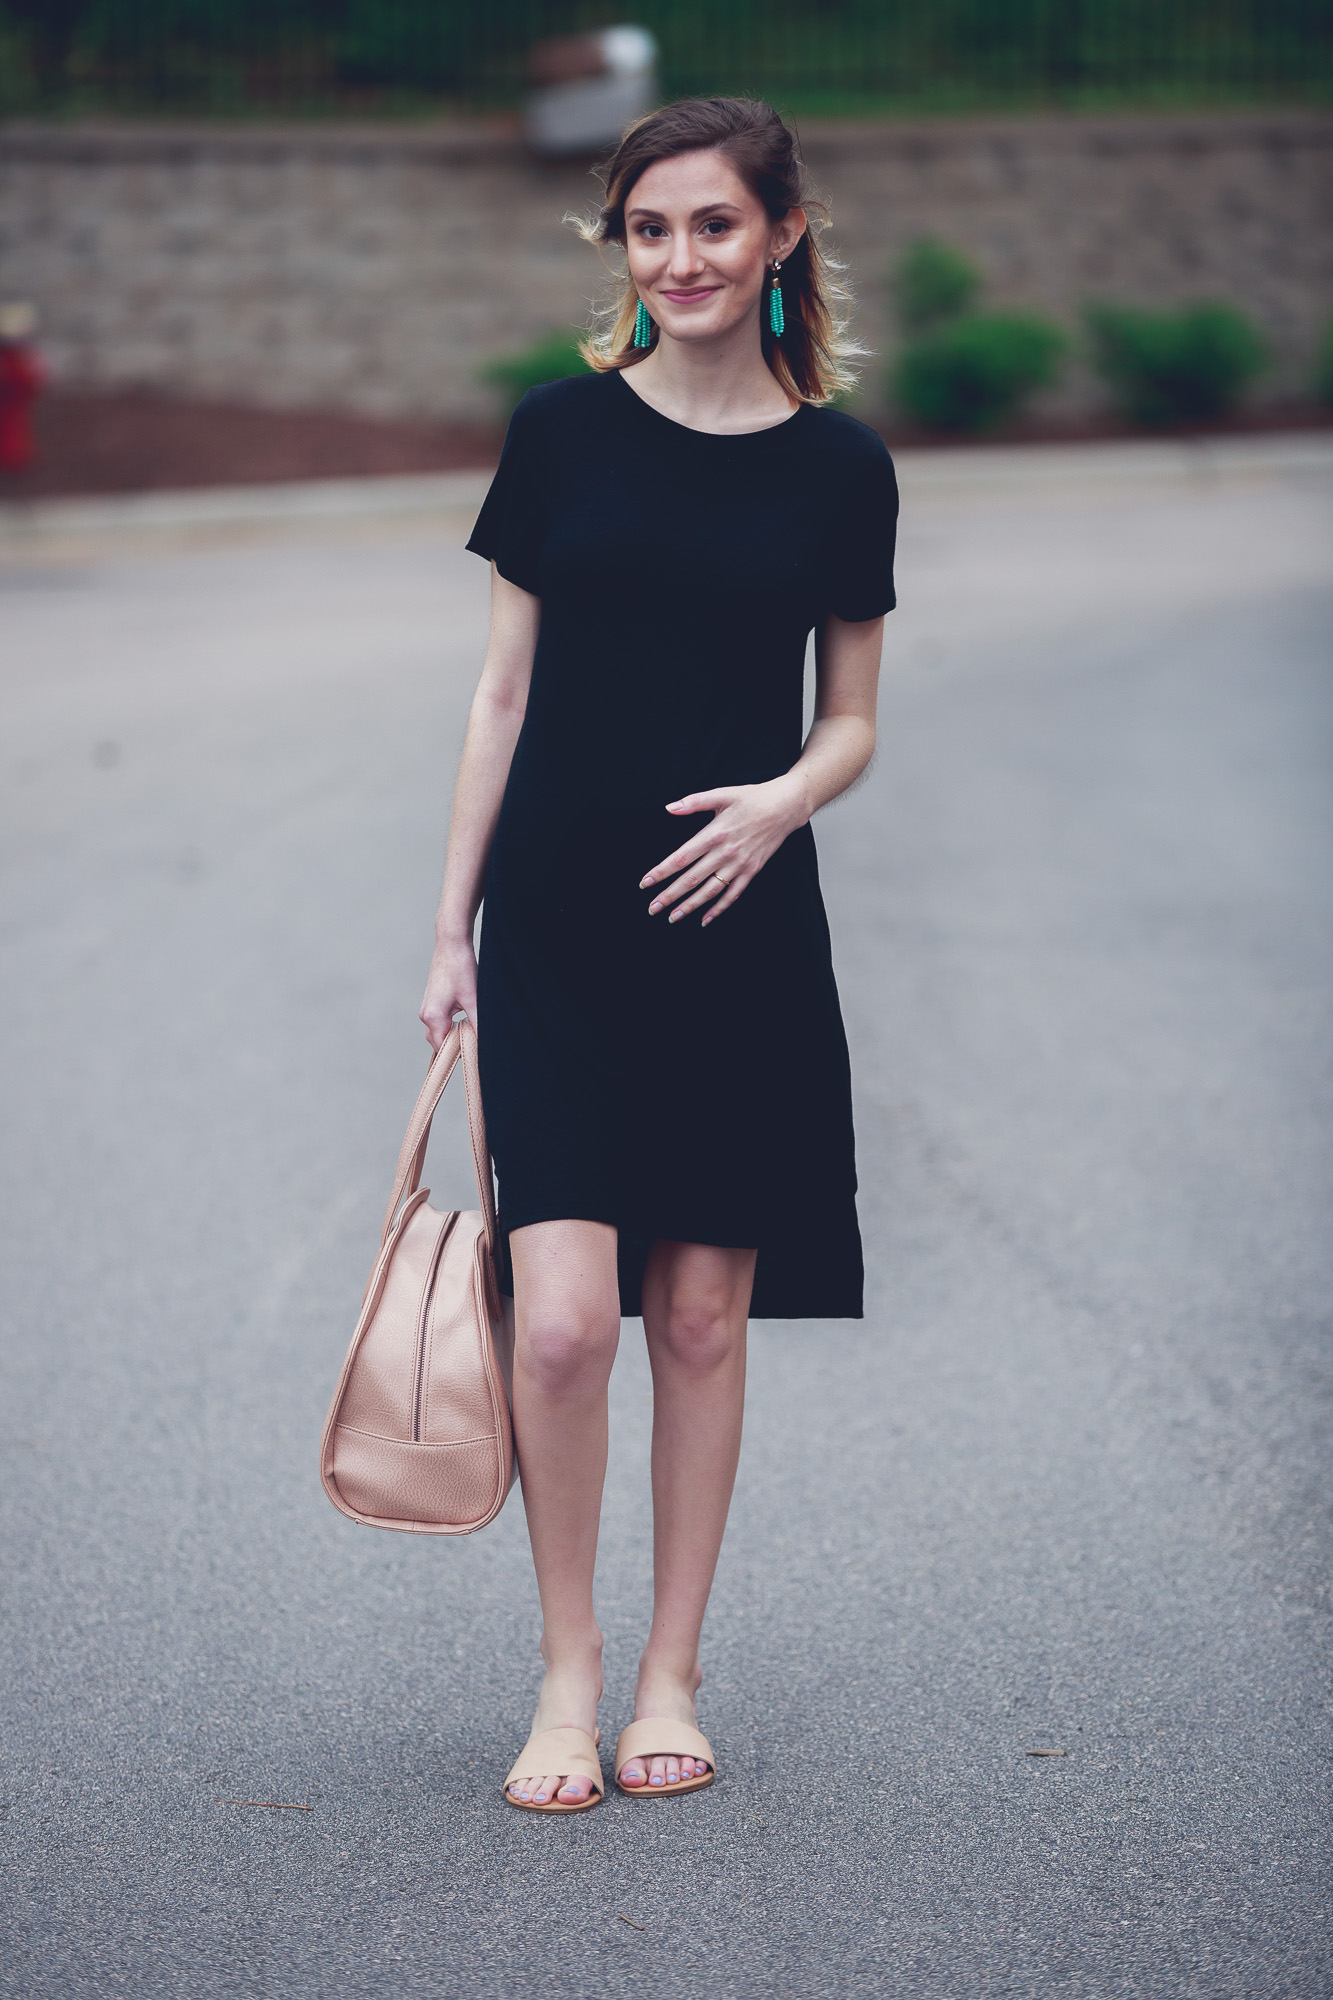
[(699, 292)]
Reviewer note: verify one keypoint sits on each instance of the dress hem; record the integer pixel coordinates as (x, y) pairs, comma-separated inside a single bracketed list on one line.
[(632, 1247)]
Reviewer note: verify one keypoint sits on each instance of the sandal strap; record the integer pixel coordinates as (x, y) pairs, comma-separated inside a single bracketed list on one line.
[(557, 1753), (655, 1737)]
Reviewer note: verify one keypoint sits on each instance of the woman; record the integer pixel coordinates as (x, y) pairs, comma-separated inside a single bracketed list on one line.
[(663, 1062)]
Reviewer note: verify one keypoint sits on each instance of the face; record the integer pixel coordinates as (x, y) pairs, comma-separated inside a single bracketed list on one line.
[(701, 246)]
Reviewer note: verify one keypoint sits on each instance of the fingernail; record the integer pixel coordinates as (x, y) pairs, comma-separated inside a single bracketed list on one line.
[(674, 914), (647, 882), (653, 909)]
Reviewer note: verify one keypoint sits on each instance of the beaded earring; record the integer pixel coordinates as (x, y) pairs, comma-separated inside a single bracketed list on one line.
[(776, 318), (643, 327)]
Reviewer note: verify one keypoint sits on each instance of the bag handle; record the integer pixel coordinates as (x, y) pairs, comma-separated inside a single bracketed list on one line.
[(460, 1040)]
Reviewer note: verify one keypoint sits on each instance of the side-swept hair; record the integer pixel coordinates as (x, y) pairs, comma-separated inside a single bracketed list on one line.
[(811, 360)]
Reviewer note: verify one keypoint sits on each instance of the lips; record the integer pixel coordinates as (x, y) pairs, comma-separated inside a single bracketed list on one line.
[(686, 298)]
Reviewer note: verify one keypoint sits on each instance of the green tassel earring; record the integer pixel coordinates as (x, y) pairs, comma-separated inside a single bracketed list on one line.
[(643, 327), (776, 318)]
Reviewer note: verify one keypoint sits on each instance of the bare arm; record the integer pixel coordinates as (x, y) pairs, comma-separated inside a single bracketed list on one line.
[(750, 822), (495, 719)]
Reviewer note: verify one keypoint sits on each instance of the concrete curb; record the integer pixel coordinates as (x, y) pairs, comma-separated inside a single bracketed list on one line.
[(52, 526), (1166, 462), (25, 523)]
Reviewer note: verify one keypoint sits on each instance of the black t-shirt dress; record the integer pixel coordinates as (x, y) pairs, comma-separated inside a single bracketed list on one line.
[(676, 1082)]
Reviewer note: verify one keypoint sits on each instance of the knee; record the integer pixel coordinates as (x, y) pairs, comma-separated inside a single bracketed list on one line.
[(564, 1352), (702, 1334)]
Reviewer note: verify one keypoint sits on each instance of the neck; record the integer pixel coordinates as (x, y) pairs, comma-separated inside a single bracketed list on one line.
[(713, 385)]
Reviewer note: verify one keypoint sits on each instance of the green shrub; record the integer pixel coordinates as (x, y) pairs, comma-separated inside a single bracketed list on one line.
[(555, 355), (1323, 367), (975, 371), (932, 283), (1174, 367)]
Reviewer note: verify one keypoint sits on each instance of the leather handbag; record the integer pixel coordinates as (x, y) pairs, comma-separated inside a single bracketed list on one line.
[(418, 1436)]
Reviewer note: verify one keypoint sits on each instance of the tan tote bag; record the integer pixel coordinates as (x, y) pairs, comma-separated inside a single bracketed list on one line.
[(418, 1436)]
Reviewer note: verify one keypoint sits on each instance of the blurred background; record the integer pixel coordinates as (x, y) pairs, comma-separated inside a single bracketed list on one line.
[(242, 57), (251, 241)]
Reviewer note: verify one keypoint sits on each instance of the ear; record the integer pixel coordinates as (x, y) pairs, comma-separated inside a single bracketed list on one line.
[(787, 234)]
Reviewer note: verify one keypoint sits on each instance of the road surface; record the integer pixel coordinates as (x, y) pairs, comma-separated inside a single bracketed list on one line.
[(1065, 1490)]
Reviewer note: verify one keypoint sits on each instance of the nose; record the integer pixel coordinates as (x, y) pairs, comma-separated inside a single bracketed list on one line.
[(684, 261)]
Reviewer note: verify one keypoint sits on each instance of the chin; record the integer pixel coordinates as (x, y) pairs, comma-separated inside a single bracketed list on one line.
[(700, 327)]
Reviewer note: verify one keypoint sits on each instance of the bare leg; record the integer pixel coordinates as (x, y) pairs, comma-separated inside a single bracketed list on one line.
[(566, 1326), (696, 1300)]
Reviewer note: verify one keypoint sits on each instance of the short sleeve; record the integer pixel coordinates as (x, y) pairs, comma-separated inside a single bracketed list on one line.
[(511, 525), (862, 581)]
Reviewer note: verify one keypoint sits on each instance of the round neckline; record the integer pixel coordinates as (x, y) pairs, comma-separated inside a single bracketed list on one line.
[(688, 430)]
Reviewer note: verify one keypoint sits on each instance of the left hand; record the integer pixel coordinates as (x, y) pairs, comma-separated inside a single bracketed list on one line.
[(718, 864)]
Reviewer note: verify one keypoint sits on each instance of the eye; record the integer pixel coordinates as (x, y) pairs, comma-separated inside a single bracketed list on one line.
[(650, 230), (716, 226)]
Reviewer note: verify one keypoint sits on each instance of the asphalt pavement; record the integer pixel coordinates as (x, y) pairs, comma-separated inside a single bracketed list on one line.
[(1017, 1666)]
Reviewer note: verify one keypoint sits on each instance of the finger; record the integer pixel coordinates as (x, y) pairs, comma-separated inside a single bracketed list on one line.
[(694, 878), (708, 890), (734, 890), (704, 802), (684, 857)]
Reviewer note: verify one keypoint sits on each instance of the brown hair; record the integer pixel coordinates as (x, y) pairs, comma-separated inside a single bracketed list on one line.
[(811, 358)]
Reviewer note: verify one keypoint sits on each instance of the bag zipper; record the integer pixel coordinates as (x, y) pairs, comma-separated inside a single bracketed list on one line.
[(423, 1321)]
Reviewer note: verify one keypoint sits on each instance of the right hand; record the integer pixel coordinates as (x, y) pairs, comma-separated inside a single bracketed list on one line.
[(451, 988)]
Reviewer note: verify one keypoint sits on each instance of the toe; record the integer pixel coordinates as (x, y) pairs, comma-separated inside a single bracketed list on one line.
[(673, 1770), (574, 1790), (633, 1773), (657, 1771), (546, 1789)]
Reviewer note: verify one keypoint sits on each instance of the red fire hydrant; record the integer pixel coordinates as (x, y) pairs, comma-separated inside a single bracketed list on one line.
[(21, 376)]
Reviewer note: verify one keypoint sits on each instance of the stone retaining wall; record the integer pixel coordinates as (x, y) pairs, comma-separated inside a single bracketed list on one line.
[(377, 268)]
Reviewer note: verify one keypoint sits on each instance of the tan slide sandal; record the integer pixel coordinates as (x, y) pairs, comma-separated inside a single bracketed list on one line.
[(656, 1738), (555, 1753)]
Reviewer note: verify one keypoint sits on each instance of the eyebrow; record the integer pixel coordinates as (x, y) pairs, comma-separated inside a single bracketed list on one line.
[(709, 208)]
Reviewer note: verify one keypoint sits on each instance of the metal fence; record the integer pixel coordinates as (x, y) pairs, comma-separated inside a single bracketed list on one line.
[(261, 57)]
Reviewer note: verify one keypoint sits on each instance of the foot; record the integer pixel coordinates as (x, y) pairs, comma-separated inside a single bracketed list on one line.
[(568, 1700), (671, 1697)]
